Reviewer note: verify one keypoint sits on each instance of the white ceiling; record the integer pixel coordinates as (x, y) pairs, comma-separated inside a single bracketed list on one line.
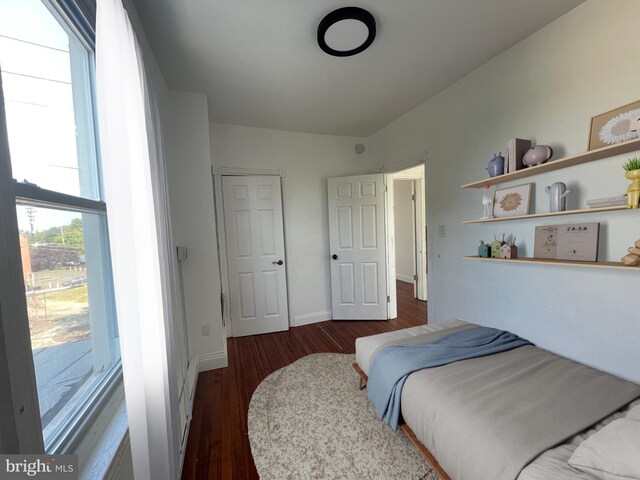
[(259, 63)]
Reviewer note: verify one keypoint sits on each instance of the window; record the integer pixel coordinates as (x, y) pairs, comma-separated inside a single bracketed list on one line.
[(47, 76)]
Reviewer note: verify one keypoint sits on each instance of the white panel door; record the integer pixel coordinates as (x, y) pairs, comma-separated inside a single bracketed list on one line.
[(357, 243), (255, 254)]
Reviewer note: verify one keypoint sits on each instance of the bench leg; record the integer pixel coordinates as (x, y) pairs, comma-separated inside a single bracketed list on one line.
[(362, 375)]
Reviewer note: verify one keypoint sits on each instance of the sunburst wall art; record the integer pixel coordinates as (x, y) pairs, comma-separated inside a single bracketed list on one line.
[(616, 126), (513, 201)]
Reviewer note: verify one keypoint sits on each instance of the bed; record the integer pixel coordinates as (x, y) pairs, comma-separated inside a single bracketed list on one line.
[(551, 464)]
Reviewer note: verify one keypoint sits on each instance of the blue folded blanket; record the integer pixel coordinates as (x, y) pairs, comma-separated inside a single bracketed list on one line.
[(392, 365)]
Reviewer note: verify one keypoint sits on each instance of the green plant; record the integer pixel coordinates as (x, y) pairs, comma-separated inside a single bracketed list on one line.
[(632, 164)]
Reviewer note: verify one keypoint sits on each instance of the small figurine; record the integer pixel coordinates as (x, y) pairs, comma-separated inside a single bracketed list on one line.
[(632, 259), (484, 251), (495, 248), (496, 165), (509, 250), (486, 202), (632, 172)]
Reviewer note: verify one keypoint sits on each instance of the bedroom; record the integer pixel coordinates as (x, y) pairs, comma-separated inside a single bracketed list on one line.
[(542, 77)]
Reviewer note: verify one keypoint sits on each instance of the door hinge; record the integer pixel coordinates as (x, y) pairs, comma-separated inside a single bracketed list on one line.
[(413, 197), (415, 277), (386, 187), (388, 299)]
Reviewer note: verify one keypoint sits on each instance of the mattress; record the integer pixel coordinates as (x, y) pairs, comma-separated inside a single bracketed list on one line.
[(366, 347), (550, 465)]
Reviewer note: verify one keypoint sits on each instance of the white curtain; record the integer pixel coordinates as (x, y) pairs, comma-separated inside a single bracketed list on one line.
[(140, 235)]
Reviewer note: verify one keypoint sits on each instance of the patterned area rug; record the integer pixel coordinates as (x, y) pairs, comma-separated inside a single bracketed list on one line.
[(309, 420)]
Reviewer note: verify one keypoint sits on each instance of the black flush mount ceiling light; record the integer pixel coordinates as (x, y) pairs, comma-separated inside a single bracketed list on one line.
[(346, 31)]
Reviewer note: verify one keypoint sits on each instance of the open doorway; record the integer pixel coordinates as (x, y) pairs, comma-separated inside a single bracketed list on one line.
[(406, 235), (362, 243)]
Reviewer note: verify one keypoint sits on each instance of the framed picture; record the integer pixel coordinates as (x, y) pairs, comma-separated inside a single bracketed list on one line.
[(545, 242), (513, 201), (615, 126), (578, 242)]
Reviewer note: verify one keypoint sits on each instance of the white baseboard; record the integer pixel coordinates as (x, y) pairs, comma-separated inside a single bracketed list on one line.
[(211, 361), (192, 381), (308, 318), (192, 377), (405, 278)]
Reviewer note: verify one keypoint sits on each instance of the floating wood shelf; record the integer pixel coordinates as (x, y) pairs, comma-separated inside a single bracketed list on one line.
[(545, 261), (552, 214), (585, 157)]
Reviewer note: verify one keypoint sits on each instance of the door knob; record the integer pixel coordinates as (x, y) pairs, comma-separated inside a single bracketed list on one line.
[(279, 262), (334, 256)]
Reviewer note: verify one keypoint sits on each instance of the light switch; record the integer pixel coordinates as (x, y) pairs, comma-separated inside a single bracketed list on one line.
[(182, 253), (442, 231)]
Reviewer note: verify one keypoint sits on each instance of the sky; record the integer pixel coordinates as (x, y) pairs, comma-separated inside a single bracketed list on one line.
[(36, 79)]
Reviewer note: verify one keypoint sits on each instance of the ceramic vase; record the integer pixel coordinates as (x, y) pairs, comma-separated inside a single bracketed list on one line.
[(558, 196), (633, 190), (537, 155), (496, 165)]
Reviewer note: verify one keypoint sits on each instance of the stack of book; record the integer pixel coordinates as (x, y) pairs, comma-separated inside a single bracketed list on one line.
[(607, 202)]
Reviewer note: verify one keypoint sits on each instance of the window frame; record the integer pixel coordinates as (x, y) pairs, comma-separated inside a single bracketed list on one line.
[(20, 421), (69, 434)]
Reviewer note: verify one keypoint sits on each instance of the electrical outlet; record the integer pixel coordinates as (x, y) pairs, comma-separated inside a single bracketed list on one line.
[(205, 329), (442, 231)]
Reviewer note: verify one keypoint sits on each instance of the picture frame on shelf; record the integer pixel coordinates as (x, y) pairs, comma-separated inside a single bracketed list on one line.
[(578, 242), (512, 201), (545, 242), (616, 126)]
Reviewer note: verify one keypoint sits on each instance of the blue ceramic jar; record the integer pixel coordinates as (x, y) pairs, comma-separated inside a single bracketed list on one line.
[(496, 165)]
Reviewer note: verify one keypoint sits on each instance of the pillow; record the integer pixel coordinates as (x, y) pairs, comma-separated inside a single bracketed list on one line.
[(612, 453), (634, 413)]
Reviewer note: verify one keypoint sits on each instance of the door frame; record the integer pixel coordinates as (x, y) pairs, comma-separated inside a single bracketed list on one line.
[(420, 242), (217, 172)]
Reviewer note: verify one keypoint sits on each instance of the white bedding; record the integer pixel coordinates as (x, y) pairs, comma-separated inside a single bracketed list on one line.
[(367, 346), (552, 464)]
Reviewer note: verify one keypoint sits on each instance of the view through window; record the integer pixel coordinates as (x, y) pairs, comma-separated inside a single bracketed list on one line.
[(47, 75)]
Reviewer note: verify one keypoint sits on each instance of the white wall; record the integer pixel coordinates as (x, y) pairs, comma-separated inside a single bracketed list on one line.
[(545, 88), (193, 218), (308, 160), (404, 239), (185, 128)]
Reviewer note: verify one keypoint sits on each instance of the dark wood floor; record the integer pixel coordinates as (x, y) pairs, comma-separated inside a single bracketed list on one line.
[(218, 446)]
